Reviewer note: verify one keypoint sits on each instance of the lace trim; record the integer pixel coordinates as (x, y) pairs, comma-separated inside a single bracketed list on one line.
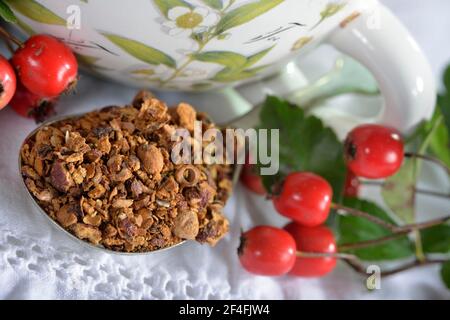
[(82, 277)]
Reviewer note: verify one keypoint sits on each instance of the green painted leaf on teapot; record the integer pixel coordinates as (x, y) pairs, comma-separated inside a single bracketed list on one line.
[(229, 59), (35, 11), (245, 14), (230, 75), (141, 51), (253, 59), (330, 10)]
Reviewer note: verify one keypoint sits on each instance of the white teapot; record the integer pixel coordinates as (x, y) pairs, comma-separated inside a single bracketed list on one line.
[(190, 45)]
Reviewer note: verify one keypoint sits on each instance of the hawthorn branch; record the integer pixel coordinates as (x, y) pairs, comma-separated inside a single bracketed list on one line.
[(9, 37), (430, 159), (357, 266), (371, 243), (342, 256), (340, 209)]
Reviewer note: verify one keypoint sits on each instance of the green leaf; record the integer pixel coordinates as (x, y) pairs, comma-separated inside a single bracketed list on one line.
[(436, 239), (245, 14), (447, 78), (445, 273), (399, 191), (226, 58), (6, 13), (440, 144), (141, 51), (444, 100), (166, 5), (253, 59), (305, 144), (35, 11), (216, 4), (231, 75), (355, 229), (444, 107)]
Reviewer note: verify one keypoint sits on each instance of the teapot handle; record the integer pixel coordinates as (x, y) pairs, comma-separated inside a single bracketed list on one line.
[(377, 39)]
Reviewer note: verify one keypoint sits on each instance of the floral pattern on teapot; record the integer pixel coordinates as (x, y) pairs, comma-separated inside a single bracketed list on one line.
[(202, 22)]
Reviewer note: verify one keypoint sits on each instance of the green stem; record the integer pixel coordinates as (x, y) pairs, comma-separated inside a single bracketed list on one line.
[(429, 159), (340, 209), (420, 254), (9, 37), (360, 268)]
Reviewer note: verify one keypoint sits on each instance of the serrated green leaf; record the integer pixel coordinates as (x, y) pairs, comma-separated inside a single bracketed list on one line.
[(165, 5), (6, 13), (35, 11), (141, 51), (447, 78), (444, 107), (305, 144), (253, 59), (440, 141), (228, 59), (436, 239), (216, 4), (445, 273), (399, 191), (353, 229), (245, 13)]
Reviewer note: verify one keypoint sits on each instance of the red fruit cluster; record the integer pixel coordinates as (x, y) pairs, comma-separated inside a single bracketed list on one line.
[(371, 151), (41, 70), (306, 199), (271, 251)]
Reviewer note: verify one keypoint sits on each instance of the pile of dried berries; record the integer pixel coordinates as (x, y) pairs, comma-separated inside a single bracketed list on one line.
[(107, 177)]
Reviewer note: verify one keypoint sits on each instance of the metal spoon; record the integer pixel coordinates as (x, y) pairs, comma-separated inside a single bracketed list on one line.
[(347, 76)]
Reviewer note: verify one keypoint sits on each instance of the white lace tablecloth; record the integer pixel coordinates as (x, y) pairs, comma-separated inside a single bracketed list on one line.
[(37, 262)]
